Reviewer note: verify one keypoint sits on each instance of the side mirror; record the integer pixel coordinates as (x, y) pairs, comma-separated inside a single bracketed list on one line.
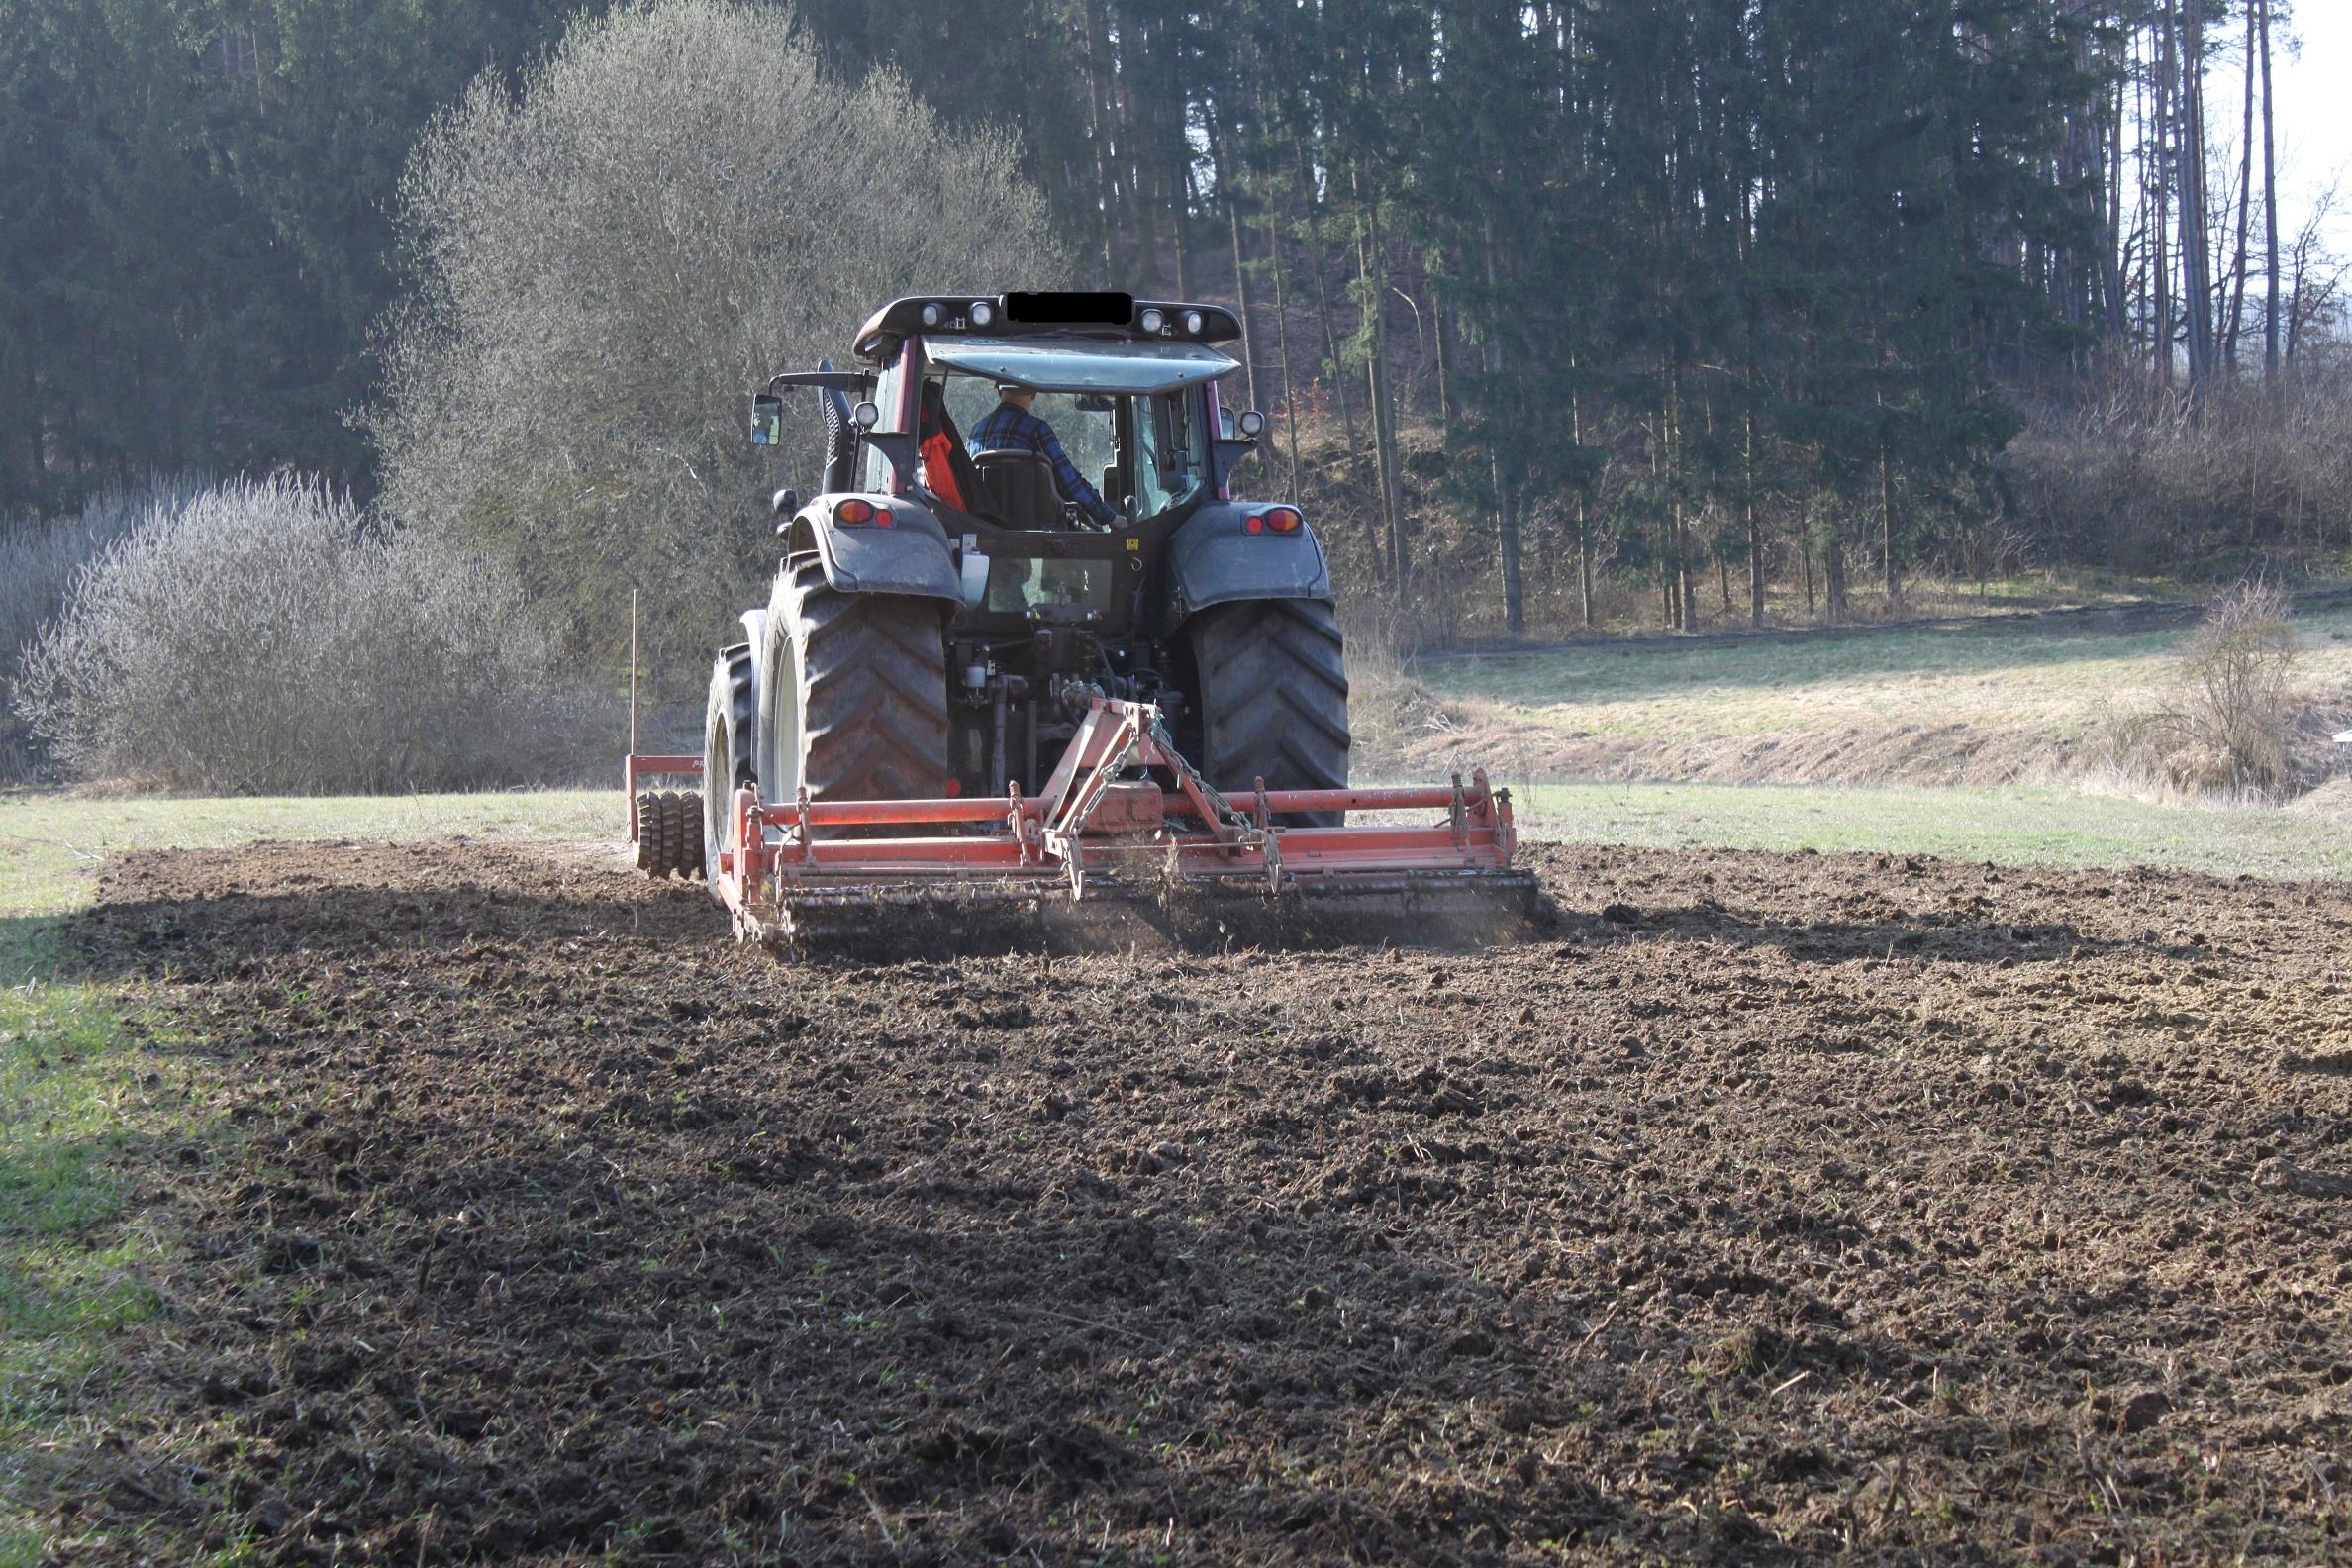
[(767, 419)]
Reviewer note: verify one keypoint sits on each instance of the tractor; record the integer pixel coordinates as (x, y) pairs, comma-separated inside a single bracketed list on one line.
[(972, 684)]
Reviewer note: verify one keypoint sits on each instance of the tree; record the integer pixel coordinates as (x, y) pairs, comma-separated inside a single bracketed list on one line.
[(680, 202), (196, 242)]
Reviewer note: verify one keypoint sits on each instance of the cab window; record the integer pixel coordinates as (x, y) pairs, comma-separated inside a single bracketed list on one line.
[(1171, 458)]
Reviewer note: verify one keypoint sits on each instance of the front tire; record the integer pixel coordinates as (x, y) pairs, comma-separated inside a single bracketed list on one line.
[(853, 692), (1270, 697)]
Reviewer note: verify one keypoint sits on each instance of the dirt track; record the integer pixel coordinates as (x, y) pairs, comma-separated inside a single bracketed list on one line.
[(1773, 1206)]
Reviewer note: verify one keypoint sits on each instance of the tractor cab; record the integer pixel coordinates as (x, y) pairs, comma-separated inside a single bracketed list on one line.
[(1130, 398), (1130, 392)]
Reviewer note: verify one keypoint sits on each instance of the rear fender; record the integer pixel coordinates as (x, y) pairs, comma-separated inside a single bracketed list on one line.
[(1215, 560), (909, 557)]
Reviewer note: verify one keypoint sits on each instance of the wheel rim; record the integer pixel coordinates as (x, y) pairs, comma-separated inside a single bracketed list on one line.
[(718, 794), (780, 729)]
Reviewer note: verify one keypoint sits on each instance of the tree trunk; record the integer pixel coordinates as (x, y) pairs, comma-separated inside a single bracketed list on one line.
[(2118, 307), (1098, 109), (1755, 529), (1290, 402), (1885, 468), (1507, 520), (1372, 277), (1144, 187), (2270, 208), (1445, 406), (1686, 588), (1179, 219), (2196, 285), (1240, 290), (2160, 275), (2238, 269), (1833, 570), (1584, 524), (1506, 525), (1322, 300)]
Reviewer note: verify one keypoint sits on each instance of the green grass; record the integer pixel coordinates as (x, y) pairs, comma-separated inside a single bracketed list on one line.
[(73, 1096), (49, 840), (2010, 826), (80, 1099), (2054, 680)]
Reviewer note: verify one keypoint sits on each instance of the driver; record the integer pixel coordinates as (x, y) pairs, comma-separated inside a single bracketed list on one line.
[(1011, 426)]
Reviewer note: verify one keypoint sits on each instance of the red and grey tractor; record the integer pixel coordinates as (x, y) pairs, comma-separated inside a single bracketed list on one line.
[(967, 686)]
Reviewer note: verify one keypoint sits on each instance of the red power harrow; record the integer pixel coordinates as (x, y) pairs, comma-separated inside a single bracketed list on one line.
[(1124, 818)]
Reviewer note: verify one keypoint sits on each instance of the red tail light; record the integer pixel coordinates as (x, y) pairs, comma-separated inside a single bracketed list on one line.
[(859, 510), (1276, 519)]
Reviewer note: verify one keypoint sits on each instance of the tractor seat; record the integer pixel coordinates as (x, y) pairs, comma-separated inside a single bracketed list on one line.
[(1018, 487)]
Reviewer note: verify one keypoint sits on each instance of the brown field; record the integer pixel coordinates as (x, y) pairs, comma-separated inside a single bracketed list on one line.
[(1768, 1208)]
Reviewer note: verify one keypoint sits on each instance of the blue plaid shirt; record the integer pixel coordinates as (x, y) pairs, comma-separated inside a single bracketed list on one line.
[(1009, 429)]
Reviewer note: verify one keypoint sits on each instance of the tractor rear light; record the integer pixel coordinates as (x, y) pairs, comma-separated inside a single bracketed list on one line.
[(1276, 519), (982, 313), (1193, 323), (857, 510), (1256, 525), (1152, 320), (932, 315)]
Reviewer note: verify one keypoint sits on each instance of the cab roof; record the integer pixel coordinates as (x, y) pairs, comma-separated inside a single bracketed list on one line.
[(1074, 318)]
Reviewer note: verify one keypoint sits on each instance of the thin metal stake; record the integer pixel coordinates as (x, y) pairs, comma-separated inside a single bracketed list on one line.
[(632, 672)]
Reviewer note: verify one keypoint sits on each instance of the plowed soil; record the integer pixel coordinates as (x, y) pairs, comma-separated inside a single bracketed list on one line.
[(1767, 1207)]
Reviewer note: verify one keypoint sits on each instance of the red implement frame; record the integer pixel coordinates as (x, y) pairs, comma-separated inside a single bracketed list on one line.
[(1095, 831)]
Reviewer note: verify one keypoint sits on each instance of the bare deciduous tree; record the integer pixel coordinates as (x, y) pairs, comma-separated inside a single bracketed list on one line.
[(676, 203)]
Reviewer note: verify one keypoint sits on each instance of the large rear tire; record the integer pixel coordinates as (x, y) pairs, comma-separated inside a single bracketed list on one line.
[(731, 722), (853, 693), (1270, 698)]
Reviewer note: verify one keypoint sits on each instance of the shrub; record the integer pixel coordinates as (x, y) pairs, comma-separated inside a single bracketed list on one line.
[(2144, 480), (259, 637), (2231, 727), (38, 558), (676, 204)]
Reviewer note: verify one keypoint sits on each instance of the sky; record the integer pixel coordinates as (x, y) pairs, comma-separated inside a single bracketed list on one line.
[(2314, 119)]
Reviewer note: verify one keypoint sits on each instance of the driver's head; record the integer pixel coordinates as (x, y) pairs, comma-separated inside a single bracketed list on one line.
[(1019, 397)]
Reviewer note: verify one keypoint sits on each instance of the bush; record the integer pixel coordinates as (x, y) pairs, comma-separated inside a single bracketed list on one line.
[(259, 637), (2142, 481), (38, 560), (677, 204), (2232, 727)]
